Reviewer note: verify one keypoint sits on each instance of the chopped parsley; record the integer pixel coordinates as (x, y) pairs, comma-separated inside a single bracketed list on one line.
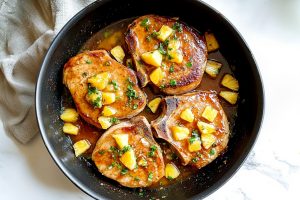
[(170, 178), (135, 106), (101, 152), (114, 120), (92, 90), (177, 27), (212, 152), (115, 84), (136, 179), (130, 82), (194, 137), (189, 64), (145, 23), (195, 160), (173, 82), (124, 171), (162, 87), (150, 176), (171, 70), (161, 49), (170, 57), (154, 34), (125, 149), (131, 93), (88, 62), (148, 38), (97, 102), (153, 148)]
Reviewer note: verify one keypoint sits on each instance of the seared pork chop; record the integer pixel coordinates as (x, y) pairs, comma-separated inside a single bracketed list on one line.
[(184, 53), (119, 95), (146, 157), (195, 125)]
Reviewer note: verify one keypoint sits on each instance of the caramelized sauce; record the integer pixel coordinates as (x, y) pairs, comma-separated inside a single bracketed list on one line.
[(113, 35)]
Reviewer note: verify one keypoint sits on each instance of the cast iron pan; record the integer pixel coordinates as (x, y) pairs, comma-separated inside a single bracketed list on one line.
[(97, 16)]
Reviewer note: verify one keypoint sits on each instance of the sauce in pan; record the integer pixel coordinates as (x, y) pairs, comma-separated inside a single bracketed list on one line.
[(112, 36)]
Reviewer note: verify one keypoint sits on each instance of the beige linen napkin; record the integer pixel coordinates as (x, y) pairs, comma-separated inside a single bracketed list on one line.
[(26, 31)]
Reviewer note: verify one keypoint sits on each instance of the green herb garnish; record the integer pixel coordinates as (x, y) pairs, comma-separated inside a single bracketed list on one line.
[(145, 23), (114, 120), (162, 87), (136, 179), (194, 137), (135, 106), (170, 178), (189, 64), (150, 176), (171, 70), (84, 74), (161, 49), (212, 152), (195, 160), (88, 62), (153, 148), (177, 26), (115, 84), (124, 171), (101, 152), (131, 93), (107, 63), (173, 82)]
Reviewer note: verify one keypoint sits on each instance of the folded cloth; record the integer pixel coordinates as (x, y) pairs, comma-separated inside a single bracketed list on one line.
[(26, 31)]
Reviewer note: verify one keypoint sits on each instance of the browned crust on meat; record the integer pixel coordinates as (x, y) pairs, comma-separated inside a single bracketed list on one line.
[(173, 106), (194, 51), (76, 73), (137, 128)]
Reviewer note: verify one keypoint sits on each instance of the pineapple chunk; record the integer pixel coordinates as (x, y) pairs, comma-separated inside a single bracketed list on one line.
[(142, 162), (195, 146), (205, 127), (164, 32), (121, 139), (108, 98), (100, 81), (213, 68), (171, 171), (207, 140), (69, 115), (211, 41), (180, 133), (230, 82), (176, 56), (70, 129), (156, 76), (152, 58), (81, 146), (209, 113), (108, 111), (153, 105), (95, 99), (105, 122), (173, 45), (118, 53), (231, 97), (187, 115), (128, 159)]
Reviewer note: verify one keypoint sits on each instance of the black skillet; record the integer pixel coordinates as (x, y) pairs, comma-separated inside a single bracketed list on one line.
[(102, 13)]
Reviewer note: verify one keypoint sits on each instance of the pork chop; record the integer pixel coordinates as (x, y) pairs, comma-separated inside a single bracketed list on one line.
[(126, 98), (211, 135), (179, 75), (150, 165)]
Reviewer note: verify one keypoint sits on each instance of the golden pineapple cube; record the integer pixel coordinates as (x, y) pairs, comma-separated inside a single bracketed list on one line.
[(180, 133), (142, 162), (108, 98), (152, 58), (209, 113), (208, 140), (211, 41), (81, 146), (176, 56), (173, 45), (108, 111), (95, 99), (230, 82), (205, 127), (70, 129), (187, 115), (164, 32), (69, 115), (100, 81), (156, 76), (153, 105), (118, 53), (213, 68), (195, 146), (229, 96), (171, 171), (105, 122), (121, 139), (128, 159)]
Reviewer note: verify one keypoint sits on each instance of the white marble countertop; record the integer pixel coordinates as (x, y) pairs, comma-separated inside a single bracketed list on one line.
[(272, 171)]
